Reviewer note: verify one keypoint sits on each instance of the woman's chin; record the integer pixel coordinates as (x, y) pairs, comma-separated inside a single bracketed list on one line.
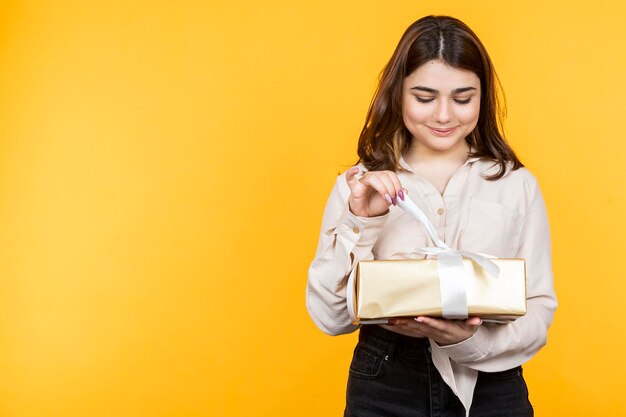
[(443, 144)]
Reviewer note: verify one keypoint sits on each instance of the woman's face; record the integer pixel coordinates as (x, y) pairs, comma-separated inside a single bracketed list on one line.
[(440, 105)]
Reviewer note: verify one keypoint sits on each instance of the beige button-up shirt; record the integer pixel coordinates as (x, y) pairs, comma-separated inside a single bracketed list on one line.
[(505, 218)]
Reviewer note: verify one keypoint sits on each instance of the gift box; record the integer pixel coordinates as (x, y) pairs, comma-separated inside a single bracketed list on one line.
[(452, 283), (379, 290)]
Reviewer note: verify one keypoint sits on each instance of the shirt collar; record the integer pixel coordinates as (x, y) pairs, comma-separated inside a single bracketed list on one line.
[(403, 164)]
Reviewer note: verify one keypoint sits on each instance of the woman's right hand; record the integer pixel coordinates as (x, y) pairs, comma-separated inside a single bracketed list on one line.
[(373, 193)]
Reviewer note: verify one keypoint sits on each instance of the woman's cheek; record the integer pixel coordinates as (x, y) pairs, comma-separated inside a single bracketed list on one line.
[(416, 114), (468, 116)]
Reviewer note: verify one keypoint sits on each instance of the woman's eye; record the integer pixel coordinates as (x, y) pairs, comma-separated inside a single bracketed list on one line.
[(456, 100)]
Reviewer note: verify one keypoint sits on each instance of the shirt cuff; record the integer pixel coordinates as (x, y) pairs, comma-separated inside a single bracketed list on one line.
[(361, 231), (471, 349)]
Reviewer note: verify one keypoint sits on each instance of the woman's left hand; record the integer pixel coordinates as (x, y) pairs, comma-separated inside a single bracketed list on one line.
[(444, 332)]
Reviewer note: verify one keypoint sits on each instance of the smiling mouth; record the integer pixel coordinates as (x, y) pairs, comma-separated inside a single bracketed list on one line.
[(442, 132)]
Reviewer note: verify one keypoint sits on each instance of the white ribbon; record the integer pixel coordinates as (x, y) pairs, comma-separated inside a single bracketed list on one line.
[(451, 270)]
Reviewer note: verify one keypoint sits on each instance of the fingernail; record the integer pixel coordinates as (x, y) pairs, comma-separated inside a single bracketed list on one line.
[(388, 198), (401, 195), (419, 319), (392, 322), (395, 202), (354, 169)]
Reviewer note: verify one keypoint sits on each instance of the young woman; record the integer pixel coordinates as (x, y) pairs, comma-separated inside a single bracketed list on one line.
[(433, 132)]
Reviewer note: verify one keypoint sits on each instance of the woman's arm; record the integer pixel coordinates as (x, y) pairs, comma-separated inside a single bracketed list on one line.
[(497, 347), (345, 239)]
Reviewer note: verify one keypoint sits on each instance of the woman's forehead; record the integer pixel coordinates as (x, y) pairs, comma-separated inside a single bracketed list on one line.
[(438, 75)]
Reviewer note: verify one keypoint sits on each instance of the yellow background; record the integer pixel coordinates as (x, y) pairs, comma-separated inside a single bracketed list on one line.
[(163, 170)]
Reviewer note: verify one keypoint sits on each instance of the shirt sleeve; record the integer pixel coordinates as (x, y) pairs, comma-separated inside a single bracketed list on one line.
[(497, 347), (345, 239)]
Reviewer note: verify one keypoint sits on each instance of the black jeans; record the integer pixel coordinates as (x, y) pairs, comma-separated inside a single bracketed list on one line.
[(394, 375)]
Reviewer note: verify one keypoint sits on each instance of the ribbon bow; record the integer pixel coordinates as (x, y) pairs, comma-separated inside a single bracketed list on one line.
[(451, 268)]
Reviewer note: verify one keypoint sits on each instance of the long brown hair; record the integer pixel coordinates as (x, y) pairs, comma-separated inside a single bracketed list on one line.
[(385, 138)]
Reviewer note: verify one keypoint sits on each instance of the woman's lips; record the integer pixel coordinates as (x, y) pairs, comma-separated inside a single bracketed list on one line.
[(442, 132)]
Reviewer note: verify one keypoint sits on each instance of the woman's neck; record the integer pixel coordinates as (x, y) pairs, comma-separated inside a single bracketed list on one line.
[(423, 156), (435, 166)]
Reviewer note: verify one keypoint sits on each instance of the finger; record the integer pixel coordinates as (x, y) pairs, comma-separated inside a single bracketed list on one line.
[(408, 330), (474, 321), (425, 330), (391, 189), (438, 324), (377, 184), (397, 185), (446, 332), (351, 173), (434, 328), (407, 323), (351, 176)]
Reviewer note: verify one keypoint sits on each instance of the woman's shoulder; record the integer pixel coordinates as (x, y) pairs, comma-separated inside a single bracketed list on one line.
[(488, 167), (515, 189)]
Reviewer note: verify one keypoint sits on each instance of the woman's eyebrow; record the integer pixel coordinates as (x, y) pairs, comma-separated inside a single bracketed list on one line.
[(433, 91)]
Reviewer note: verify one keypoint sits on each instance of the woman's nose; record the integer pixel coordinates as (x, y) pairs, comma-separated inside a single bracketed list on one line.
[(443, 113)]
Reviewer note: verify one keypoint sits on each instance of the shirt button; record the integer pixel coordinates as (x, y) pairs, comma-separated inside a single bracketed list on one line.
[(356, 230), (440, 211)]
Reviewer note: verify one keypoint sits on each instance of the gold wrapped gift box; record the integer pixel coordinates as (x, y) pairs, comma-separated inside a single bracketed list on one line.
[(410, 287)]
